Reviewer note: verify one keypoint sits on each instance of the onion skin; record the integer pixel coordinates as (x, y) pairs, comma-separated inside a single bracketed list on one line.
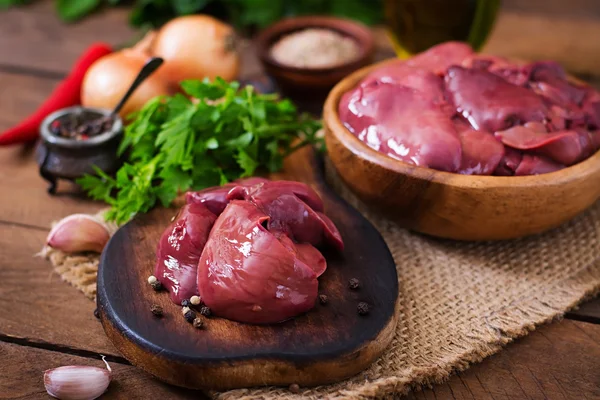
[(108, 79), (197, 47)]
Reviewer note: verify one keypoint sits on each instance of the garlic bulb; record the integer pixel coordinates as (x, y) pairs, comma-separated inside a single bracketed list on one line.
[(78, 232), (77, 382)]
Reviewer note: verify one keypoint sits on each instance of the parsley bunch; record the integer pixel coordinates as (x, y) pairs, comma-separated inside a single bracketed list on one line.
[(174, 144)]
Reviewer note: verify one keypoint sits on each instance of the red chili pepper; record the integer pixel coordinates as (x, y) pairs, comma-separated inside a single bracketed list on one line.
[(66, 94)]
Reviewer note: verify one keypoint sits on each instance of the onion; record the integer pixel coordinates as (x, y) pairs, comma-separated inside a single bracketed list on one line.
[(196, 47), (108, 79)]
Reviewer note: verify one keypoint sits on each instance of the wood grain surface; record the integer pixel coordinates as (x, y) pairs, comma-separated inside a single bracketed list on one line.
[(532, 368), (558, 361), (35, 305), (29, 364), (329, 343)]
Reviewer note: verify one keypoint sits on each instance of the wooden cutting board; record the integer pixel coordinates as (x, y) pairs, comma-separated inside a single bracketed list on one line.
[(329, 343)]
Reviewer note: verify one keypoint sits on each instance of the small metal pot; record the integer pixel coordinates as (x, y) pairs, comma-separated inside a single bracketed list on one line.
[(65, 158)]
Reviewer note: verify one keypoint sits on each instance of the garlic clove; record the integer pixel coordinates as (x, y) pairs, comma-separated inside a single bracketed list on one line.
[(78, 232), (76, 382)]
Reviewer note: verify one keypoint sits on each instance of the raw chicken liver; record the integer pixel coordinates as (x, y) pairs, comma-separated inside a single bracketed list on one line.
[(215, 199), (246, 273), (293, 208), (179, 250), (248, 248), (453, 110), (489, 102), (400, 122)]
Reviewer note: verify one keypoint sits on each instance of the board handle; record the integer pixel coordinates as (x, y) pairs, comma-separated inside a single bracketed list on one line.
[(306, 165)]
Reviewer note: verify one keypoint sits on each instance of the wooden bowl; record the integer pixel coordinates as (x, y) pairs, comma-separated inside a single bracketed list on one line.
[(313, 82), (454, 206)]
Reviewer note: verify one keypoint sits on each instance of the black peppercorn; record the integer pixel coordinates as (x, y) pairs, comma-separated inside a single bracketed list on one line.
[(323, 298), (353, 284), (96, 313), (363, 308), (294, 388), (156, 286), (157, 310), (185, 303), (198, 323), (190, 316), (205, 311)]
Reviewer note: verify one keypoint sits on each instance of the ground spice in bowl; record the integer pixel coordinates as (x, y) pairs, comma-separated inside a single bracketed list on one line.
[(315, 48), (81, 125)]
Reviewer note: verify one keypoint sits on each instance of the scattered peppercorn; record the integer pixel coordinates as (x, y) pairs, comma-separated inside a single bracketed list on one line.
[(185, 303), (323, 298), (363, 308), (205, 311), (190, 316), (198, 323), (294, 388), (157, 286), (156, 310), (96, 313), (195, 300), (353, 284), (152, 279), (184, 310)]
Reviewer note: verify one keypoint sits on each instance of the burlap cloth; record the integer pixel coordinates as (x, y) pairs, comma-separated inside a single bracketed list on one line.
[(460, 302)]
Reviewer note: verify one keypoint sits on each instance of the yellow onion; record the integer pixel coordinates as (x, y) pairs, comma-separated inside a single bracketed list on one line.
[(108, 79), (196, 47)]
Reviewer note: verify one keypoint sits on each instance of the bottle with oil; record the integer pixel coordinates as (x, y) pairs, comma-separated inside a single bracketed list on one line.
[(416, 25)]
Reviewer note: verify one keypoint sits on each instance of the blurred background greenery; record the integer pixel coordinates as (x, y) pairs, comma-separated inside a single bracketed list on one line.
[(245, 15)]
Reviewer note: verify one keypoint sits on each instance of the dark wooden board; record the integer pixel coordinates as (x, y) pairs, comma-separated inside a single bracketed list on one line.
[(588, 312), (327, 344)]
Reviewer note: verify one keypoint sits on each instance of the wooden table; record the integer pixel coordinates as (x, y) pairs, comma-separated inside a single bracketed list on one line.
[(45, 323)]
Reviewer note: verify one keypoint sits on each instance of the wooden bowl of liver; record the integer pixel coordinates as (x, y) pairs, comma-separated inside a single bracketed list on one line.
[(452, 205)]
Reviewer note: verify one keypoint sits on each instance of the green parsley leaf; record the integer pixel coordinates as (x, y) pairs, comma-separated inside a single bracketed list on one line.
[(174, 144), (72, 10)]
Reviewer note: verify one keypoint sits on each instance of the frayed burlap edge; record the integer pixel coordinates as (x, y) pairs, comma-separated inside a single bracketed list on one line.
[(79, 270)]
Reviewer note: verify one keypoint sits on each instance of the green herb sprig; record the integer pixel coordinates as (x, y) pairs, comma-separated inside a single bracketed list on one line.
[(174, 144), (244, 14)]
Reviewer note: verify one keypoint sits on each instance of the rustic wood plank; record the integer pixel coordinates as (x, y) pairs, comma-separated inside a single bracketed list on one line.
[(26, 201), (586, 9), (555, 356), (558, 361), (559, 37), (33, 36), (536, 30), (35, 305), (20, 96), (22, 376)]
